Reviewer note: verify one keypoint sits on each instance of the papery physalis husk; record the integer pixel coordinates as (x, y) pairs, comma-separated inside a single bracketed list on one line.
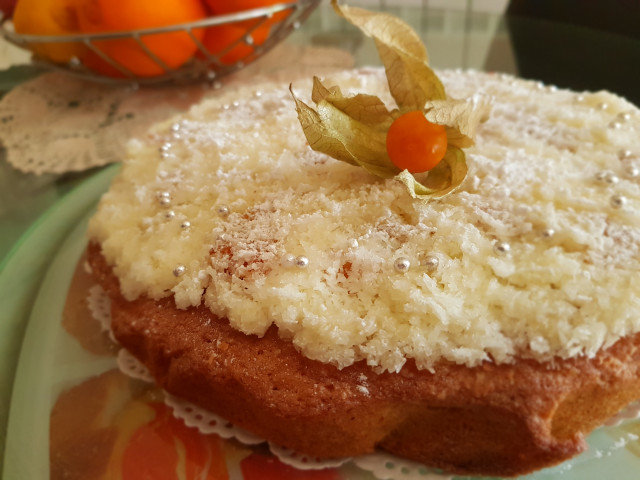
[(354, 129)]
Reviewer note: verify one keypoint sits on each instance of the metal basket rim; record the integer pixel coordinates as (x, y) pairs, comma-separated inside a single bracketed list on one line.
[(209, 21), (210, 66)]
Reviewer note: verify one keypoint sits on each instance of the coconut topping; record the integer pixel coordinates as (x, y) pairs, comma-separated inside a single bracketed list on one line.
[(536, 255)]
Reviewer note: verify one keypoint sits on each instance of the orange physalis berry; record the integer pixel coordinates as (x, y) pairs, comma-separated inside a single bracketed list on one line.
[(416, 144)]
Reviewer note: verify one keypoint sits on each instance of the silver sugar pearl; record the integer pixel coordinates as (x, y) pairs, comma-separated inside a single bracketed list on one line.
[(553, 88), (170, 214), (580, 98), (258, 94), (622, 154), (611, 178), (548, 232), (186, 224), (301, 262), (606, 176), (624, 116), (616, 125), (226, 106), (166, 147), (618, 201), (402, 264), (603, 106), (75, 62), (353, 243), (431, 262), (175, 127), (502, 248), (179, 270), (236, 103), (288, 260), (632, 171), (164, 198), (222, 210)]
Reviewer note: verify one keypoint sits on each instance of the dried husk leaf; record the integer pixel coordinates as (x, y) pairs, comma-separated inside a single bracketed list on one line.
[(320, 136), (411, 81), (441, 181), (330, 130), (354, 129), (367, 109), (460, 118)]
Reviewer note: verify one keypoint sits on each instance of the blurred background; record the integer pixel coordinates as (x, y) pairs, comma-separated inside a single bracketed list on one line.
[(581, 44), (439, 21), (578, 44)]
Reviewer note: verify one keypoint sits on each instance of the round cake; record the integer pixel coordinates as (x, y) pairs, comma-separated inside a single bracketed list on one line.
[(328, 311)]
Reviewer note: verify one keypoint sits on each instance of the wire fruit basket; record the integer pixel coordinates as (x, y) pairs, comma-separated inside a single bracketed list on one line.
[(278, 20)]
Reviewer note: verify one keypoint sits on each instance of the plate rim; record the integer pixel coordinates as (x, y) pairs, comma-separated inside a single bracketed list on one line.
[(20, 267)]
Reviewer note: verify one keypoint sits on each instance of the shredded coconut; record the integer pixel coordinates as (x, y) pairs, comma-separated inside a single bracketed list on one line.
[(533, 170)]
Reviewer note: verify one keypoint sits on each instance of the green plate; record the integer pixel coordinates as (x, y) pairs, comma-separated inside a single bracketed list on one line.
[(21, 273), (48, 360)]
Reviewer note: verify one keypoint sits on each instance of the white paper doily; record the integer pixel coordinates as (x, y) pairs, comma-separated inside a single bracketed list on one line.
[(99, 305), (389, 467), (131, 366), (305, 462), (56, 123), (207, 422)]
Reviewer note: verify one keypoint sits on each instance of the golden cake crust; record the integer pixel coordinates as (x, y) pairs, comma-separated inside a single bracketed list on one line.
[(505, 419)]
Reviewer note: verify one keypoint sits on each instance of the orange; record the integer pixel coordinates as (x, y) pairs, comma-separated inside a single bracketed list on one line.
[(6, 7), (218, 39), (174, 49), (416, 144), (49, 17)]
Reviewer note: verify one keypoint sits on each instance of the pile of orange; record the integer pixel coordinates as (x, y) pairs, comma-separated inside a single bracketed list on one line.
[(64, 17)]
